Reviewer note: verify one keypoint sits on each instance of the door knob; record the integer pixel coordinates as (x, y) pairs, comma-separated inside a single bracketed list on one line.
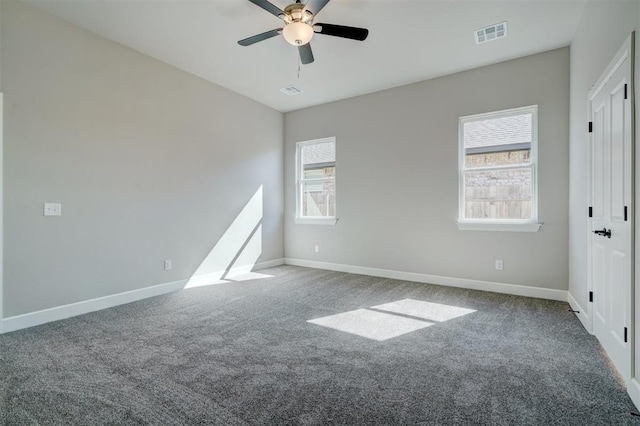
[(604, 232)]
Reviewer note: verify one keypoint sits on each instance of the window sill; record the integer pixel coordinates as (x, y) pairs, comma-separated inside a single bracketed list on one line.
[(499, 226), (316, 220)]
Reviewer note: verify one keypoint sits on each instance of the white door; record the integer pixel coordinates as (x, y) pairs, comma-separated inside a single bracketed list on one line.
[(611, 251), (1, 211)]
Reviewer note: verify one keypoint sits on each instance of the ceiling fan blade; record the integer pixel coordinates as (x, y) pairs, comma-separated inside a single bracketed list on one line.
[(306, 55), (342, 31), (315, 6), (274, 10), (259, 37)]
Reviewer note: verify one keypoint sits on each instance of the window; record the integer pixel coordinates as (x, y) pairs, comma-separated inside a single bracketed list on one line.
[(498, 155), (316, 181)]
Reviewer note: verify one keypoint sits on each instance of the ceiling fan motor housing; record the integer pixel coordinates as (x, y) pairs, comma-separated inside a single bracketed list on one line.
[(295, 13)]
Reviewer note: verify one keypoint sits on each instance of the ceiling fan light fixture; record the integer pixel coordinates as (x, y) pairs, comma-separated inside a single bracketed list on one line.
[(299, 27), (298, 33)]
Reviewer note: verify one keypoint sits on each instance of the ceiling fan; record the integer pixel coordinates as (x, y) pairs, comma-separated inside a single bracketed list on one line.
[(299, 27)]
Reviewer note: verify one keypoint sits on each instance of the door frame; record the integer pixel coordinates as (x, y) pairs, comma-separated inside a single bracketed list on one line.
[(1, 213), (626, 51)]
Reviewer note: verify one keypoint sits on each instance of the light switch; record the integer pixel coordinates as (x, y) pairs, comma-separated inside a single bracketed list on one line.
[(52, 209)]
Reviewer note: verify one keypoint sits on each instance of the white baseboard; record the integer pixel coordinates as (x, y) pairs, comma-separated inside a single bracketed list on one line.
[(268, 264), (31, 319), (633, 389), (44, 316), (582, 315), (219, 277), (518, 290)]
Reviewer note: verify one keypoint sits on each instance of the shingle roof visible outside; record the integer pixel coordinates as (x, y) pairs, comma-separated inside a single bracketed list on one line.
[(498, 131), (324, 152)]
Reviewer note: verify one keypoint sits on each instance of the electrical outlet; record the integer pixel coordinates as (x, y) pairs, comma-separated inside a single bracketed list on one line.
[(317, 248), (168, 265), (499, 265), (52, 209)]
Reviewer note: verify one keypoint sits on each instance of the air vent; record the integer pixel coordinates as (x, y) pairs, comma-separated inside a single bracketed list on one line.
[(492, 32), (291, 90)]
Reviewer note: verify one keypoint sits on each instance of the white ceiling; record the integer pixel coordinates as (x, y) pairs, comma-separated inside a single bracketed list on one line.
[(409, 41)]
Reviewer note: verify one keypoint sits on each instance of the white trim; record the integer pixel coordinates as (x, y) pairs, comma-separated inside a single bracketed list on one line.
[(316, 220), (1, 213), (582, 314), (533, 109), (633, 389), (306, 220), (44, 316), (589, 325), (498, 226), (316, 141), (79, 308), (268, 264), (621, 55), (626, 52), (518, 290), (220, 276)]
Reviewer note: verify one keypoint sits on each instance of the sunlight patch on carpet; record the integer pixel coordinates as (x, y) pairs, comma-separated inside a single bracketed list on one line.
[(425, 310), (400, 317), (249, 276), (371, 324)]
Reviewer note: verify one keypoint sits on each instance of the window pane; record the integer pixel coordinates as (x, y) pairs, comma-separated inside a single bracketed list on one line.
[(498, 194), (319, 198), (522, 156), (499, 131), (314, 174), (323, 173)]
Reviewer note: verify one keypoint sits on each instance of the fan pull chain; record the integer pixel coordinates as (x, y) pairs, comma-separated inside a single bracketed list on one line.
[(298, 67)]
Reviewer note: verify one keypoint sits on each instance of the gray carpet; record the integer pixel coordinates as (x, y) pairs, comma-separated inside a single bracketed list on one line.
[(243, 353)]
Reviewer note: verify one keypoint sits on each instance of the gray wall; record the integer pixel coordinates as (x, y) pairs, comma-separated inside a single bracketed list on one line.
[(397, 182), (603, 28), (149, 163)]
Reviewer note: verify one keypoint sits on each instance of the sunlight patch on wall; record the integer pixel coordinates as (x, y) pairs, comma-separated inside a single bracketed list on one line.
[(237, 251), (400, 317), (249, 255)]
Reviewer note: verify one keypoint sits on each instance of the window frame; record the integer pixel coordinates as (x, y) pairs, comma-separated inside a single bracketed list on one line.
[(521, 225), (300, 180)]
